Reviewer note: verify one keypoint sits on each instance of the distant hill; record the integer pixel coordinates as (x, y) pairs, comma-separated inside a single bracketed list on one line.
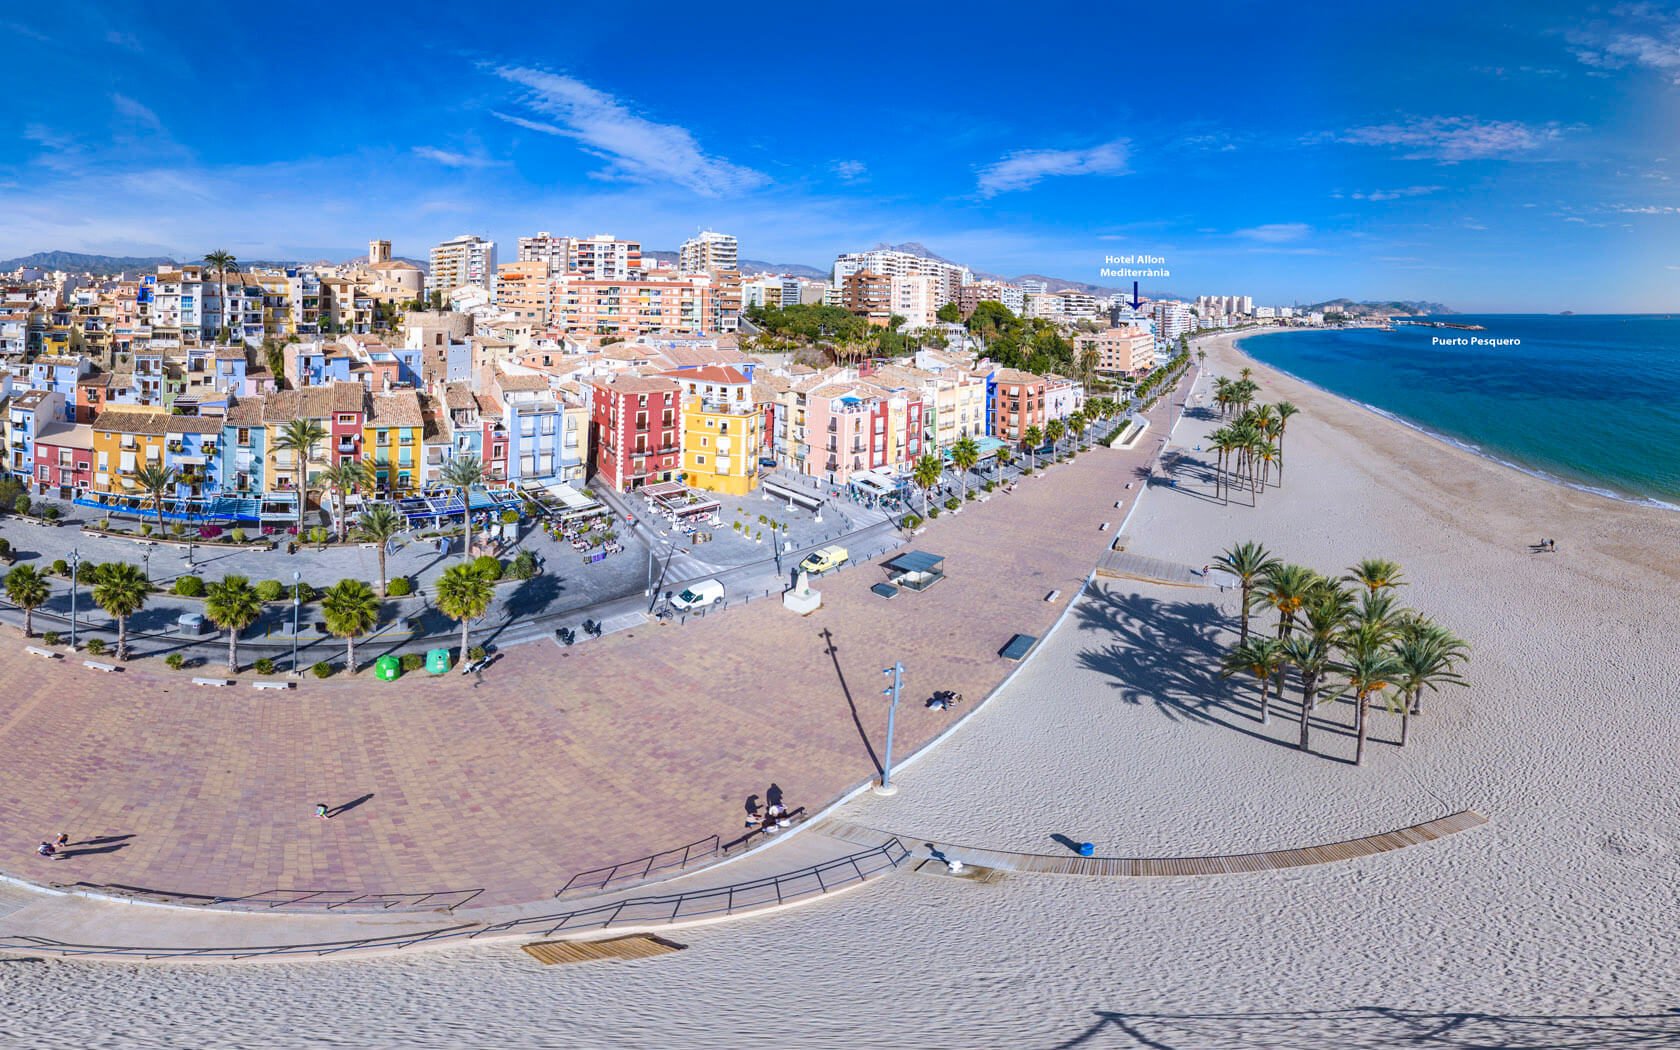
[(78, 262), (751, 266), (1393, 308)]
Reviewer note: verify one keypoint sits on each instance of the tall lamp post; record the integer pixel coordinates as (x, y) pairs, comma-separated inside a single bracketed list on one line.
[(297, 603), (897, 672), (75, 565)]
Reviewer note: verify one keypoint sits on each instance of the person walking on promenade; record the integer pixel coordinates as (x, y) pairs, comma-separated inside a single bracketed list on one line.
[(62, 841), (46, 850), (321, 811)]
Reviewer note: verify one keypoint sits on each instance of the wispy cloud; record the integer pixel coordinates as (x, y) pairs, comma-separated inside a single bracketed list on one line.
[(1389, 195), (1643, 35), (1453, 138), (850, 170), (126, 41), (453, 159), (137, 112), (1025, 168), (636, 149), (1275, 232)]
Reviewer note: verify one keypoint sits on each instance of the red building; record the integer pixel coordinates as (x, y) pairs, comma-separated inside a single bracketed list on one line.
[(63, 460), (636, 430)]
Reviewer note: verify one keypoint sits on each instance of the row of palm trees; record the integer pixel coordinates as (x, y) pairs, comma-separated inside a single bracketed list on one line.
[(1250, 448), (1340, 636), (349, 607)]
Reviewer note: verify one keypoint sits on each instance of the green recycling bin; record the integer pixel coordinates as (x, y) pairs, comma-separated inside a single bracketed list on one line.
[(387, 668), (437, 661)]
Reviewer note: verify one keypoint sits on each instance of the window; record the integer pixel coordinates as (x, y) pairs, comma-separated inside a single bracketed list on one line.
[(699, 461), (528, 465)]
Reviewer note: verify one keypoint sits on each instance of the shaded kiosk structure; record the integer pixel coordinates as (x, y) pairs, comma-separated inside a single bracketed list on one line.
[(915, 570)]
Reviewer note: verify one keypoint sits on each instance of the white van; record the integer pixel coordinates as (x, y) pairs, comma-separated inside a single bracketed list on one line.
[(698, 595)]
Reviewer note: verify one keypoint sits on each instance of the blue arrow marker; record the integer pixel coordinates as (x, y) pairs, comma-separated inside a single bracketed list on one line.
[(1136, 302)]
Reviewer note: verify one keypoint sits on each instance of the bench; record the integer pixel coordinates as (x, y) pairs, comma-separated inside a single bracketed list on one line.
[(210, 681), (1017, 647), (38, 651), (1103, 527), (107, 668), (1052, 596), (271, 685)]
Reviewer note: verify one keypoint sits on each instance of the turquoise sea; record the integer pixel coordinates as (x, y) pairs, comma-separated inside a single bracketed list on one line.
[(1590, 401)]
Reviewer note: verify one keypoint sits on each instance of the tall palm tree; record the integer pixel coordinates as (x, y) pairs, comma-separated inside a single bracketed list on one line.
[(463, 473), (926, 475), (1376, 574), (377, 525), (964, 454), (1034, 438), (464, 595), (1451, 650), (1287, 588), (350, 608), (1428, 660), (1367, 671), (222, 262), (344, 477), (1260, 657), (1310, 655), (301, 437), (1053, 432), (27, 589), (1284, 409), (155, 480), (232, 604), (1248, 562), (121, 592)]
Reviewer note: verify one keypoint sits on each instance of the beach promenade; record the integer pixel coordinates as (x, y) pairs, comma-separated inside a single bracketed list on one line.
[(494, 791), (1546, 927)]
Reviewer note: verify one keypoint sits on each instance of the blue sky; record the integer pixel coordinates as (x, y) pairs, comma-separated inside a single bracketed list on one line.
[(1493, 156)]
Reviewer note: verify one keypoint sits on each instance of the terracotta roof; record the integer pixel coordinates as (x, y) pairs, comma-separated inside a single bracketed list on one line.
[(457, 396), (246, 411), (130, 422), (520, 382), (1015, 375), (488, 404), (193, 424), (629, 384), (714, 374), (397, 409), (229, 353)]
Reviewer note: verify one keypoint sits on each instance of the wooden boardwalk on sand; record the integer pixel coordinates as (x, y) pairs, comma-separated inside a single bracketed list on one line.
[(1120, 564), (1235, 864)]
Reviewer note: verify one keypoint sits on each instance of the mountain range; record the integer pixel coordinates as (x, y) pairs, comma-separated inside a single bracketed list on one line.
[(78, 262), (1400, 307)]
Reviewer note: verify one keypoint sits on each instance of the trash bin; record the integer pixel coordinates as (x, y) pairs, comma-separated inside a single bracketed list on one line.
[(1086, 849), (190, 623), (437, 661), (387, 668)]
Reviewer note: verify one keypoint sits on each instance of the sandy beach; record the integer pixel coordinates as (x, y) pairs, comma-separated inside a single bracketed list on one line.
[(1547, 927)]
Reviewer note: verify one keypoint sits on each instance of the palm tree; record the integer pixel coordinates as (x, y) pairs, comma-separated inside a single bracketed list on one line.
[(1262, 658), (1034, 438), (156, 480), (1376, 574), (121, 592), (1053, 432), (964, 454), (222, 262), (1310, 655), (300, 437), (926, 475), (27, 589), (377, 525), (1284, 410), (1368, 670), (464, 595), (1428, 659), (345, 477), (462, 473), (1248, 562), (1286, 588), (350, 608), (232, 604), (1003, 457)]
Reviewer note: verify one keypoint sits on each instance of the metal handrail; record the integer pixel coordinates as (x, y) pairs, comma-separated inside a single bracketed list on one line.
[(584, 880), (642, 911)]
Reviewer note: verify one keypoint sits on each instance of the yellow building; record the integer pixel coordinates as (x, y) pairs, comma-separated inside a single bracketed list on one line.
[(124, 441), (722, 432), (391, 440)]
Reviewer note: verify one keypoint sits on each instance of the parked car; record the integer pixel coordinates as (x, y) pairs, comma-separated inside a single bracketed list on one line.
[(826, 560), (698, 595)]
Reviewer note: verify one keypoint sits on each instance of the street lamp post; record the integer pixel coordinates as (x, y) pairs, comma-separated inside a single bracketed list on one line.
[(297, 604), (75, 565), (897, 672)]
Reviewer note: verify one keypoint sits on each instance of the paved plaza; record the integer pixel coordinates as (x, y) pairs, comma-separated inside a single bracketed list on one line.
[(555, 760)]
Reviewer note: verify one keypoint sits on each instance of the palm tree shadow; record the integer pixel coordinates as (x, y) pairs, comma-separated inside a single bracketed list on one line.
[(1168, 654)]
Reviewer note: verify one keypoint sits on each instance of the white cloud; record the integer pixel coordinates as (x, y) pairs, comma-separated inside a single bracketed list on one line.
[(1024, 168), (1455, 138), (452, 159), (636, 149), (126, 41), (1275, 232), (1396, 194), (850, 170), (137, 112)]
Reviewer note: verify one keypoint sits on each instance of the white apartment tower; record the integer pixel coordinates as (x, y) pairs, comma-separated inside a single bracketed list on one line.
[(462, 261), (599, 258), (708, 252)]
